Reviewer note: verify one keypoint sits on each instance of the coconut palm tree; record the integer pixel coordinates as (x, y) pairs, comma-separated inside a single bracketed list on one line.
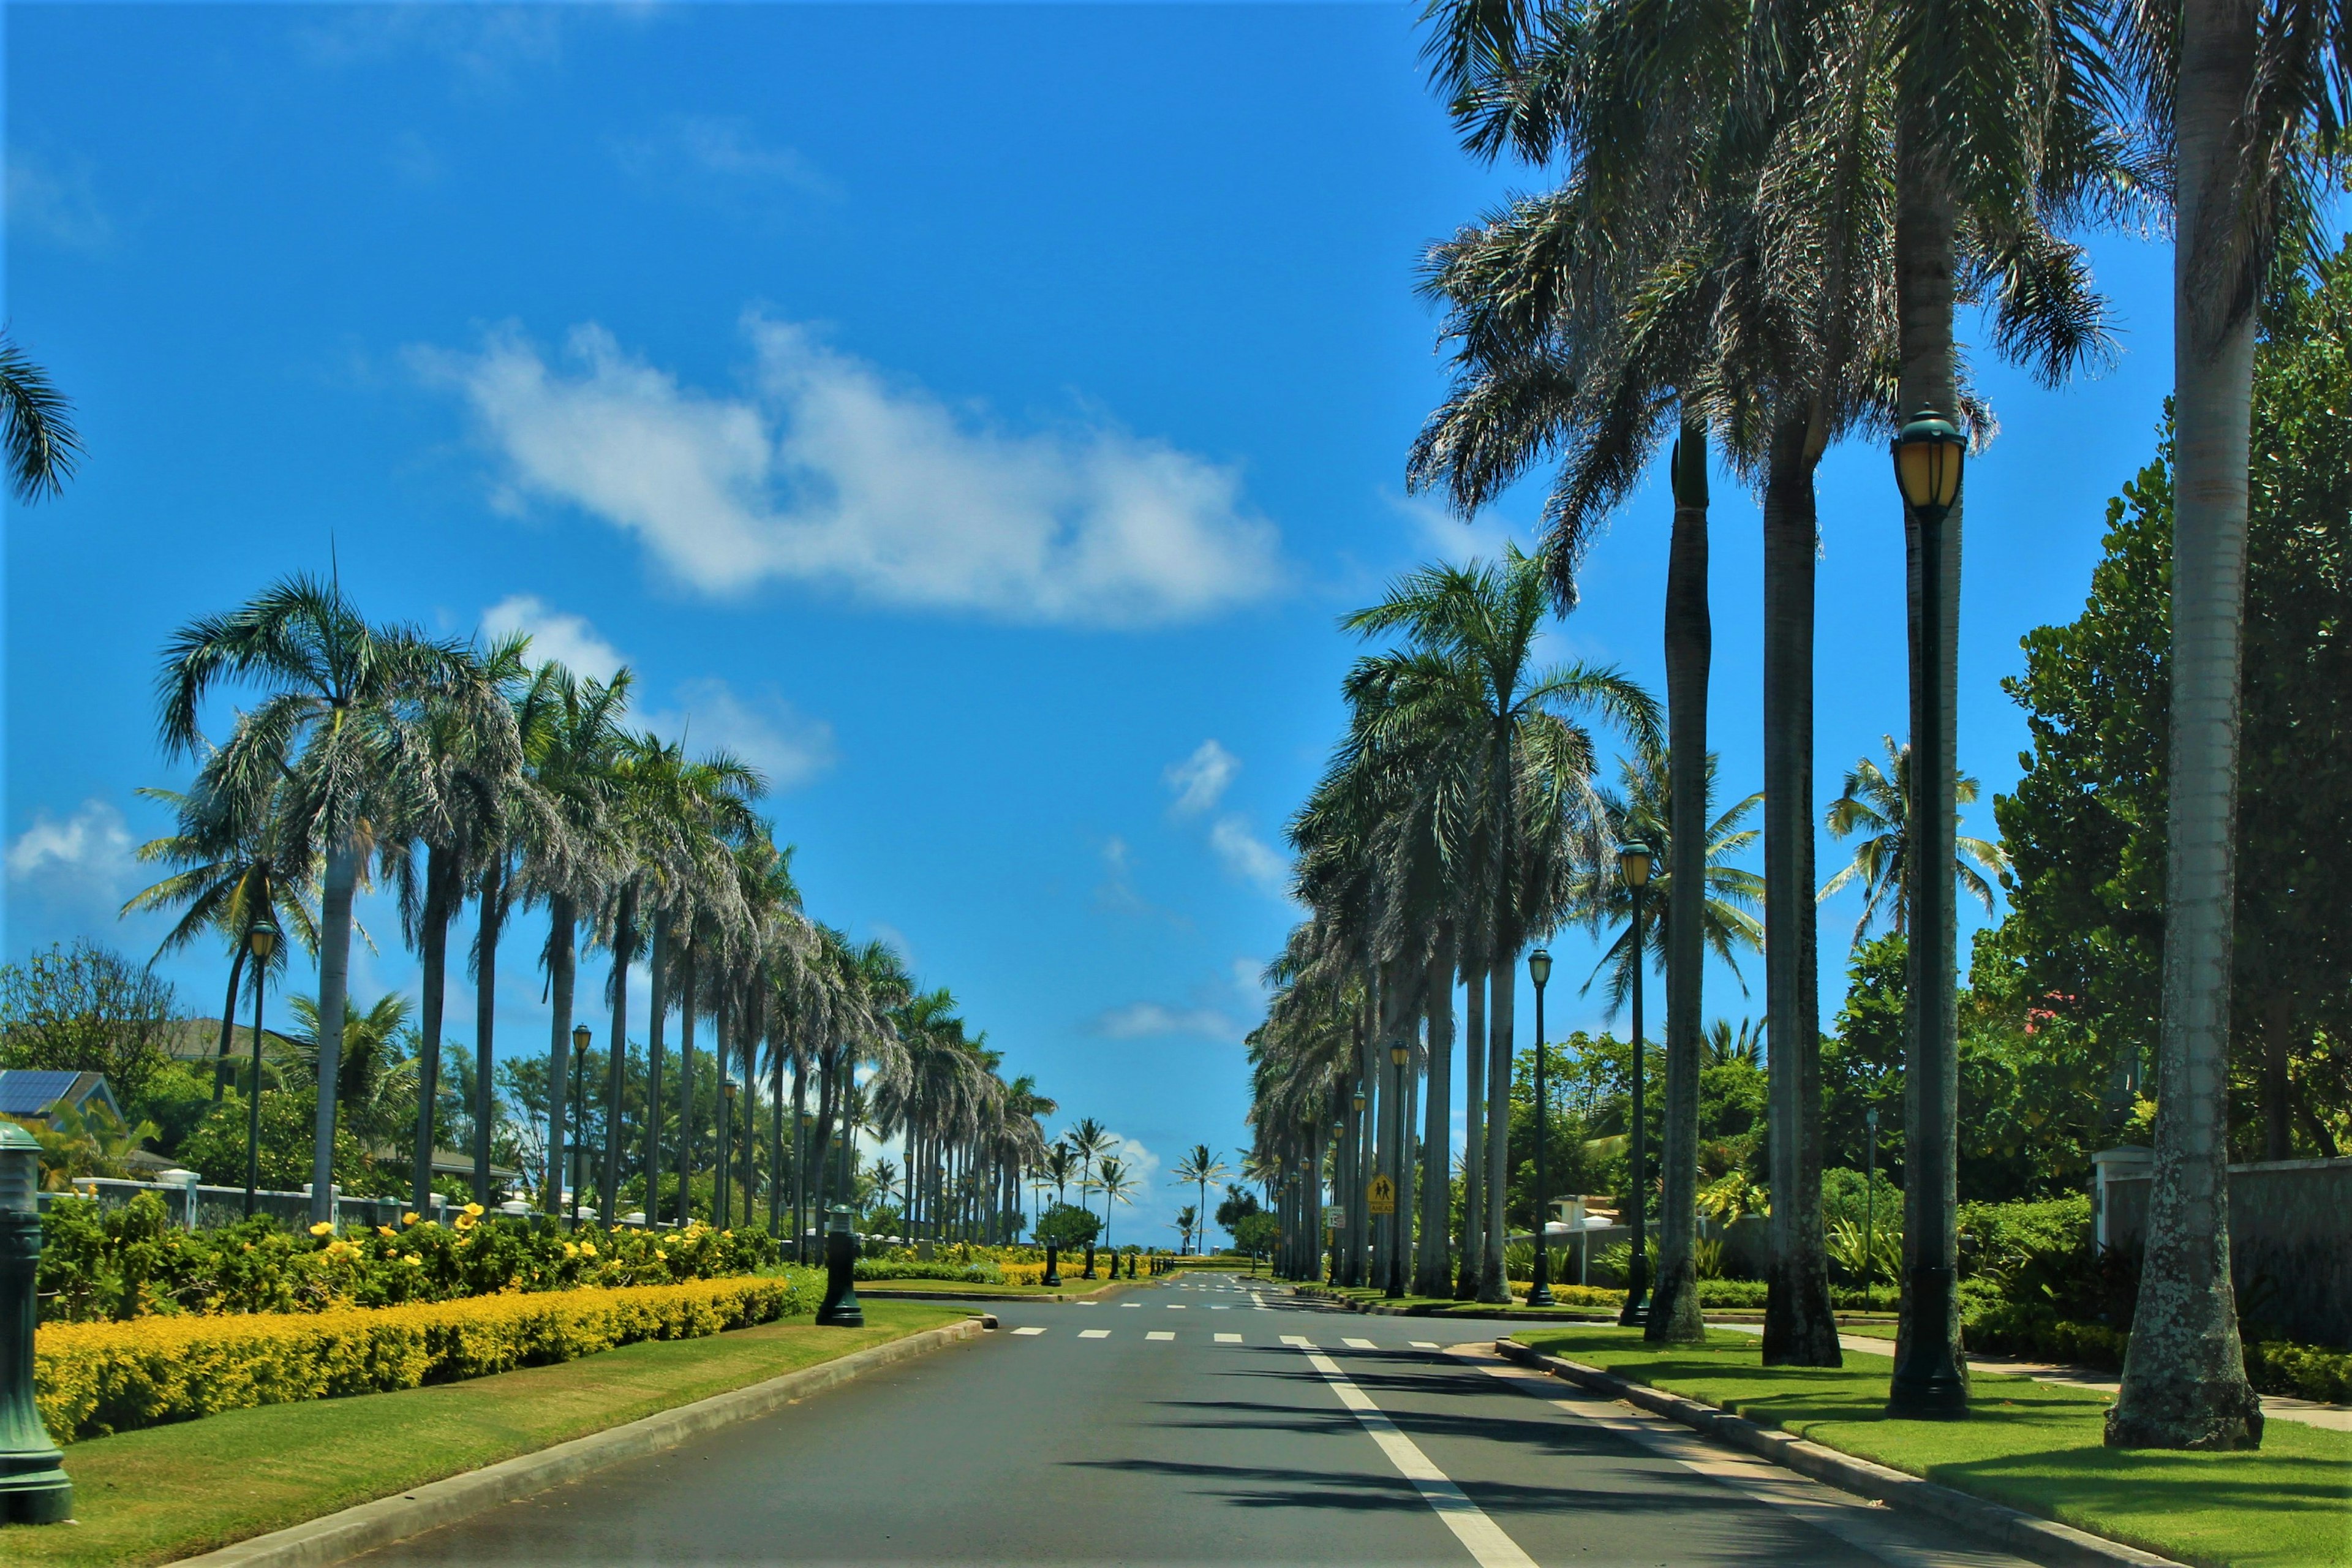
[(1873, 804), (1199, 1166), (35, 427), (1089, 1140), (2254, 99), (1187, 1220), (340, 726), (1118, 1183)]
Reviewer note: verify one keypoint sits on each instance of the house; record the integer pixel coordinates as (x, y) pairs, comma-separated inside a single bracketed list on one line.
[(36, 1094)]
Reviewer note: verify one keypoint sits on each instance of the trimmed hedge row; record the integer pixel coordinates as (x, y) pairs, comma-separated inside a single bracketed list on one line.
[(91, 1379), (2274, 1366)]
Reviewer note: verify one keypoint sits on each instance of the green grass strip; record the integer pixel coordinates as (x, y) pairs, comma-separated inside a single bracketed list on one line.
[(2034, 1446), (167, 1492)]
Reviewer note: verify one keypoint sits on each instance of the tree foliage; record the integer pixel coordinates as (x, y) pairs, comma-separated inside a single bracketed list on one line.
[(85, 1008)]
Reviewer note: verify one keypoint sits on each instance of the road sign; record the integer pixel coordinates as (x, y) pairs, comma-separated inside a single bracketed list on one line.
[(1382, 1196)]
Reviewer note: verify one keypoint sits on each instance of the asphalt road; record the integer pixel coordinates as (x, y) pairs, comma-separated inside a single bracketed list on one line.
[(1200, 1421)]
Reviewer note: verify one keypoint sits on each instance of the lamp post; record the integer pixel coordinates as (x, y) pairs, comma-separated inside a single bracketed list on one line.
[(1339, 1163), (1929, 1380), (1634, 864), (1869, 1203), (580, 1038), (32, 1485), (1399, 1054), (841, 1308), (1359, 1220), (723, 1192), (260, 942), (1539, 1293)]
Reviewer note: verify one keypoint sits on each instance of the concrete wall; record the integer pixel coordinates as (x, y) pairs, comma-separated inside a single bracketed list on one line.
[(2290, 1244)]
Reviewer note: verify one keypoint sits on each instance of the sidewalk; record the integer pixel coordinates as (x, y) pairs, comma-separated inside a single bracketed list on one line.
[(2334, 1417)]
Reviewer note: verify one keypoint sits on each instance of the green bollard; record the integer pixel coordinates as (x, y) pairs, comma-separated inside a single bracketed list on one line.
[(32, 1485)]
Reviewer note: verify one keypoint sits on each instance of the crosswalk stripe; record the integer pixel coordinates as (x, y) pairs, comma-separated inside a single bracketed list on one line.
[(1160, 1335), (1301, 1341), (1229, 1339), (1032, 1331), (1360, 1344), (1093, 1333)]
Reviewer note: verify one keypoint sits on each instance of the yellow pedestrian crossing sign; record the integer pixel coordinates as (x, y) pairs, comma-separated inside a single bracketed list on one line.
[(1383, 1194)]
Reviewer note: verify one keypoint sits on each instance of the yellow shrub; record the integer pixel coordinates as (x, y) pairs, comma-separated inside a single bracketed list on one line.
[(93, 1379)]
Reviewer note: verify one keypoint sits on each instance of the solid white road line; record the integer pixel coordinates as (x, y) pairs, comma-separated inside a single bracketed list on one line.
[(1028, 1330), (1480, 1535), (1093, 1333), (1360, 1344), (1160, 1335), (1229, 1339)]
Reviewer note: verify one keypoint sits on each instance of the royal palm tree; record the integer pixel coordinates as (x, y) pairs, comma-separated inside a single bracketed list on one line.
[(36, 427), (2255, 99), (340, 727), (1187, 1220), (1873, 804), (1199, 1166), (1639, 810)]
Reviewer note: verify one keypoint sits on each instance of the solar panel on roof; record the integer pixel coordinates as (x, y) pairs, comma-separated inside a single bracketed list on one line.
[(30, 1091)]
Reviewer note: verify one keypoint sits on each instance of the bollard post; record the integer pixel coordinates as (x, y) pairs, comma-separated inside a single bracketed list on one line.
[(1089, 1272), (32, 1485), (841, 1308), (1053, 1274)]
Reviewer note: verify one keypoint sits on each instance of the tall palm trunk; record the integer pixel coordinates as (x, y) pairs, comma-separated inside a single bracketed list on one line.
[(1434, 1272), (776, 1138), (1502, 997), (563, 934), (658, 958), (433, 953), (624, 952), (228, 1023), (1474, 1138), (2184, 1382), (1798, 1326), (492, 904), (686, 1128), (334, 985), (1923, 263), (1689, 647)]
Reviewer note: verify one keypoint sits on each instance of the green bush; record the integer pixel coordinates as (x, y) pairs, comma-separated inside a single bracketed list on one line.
[(962, 1273), (133, 1261), (2034, 1333)]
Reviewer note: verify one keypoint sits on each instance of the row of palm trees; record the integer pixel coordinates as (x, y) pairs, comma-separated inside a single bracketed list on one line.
[(462, 776), (1766, 218)]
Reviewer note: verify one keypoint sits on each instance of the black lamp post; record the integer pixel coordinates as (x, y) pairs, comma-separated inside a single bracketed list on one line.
[(1929, 1380), (1339, 1153), (580, 1038), (1869, 1203), (723, 1179), (1359, 1218), (1540, 1293), (32, 1485), (260, 942), (1633, 864), (1399, 1054)]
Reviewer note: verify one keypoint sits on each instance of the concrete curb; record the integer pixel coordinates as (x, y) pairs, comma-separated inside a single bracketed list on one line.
[(372, 1524), (2030, 1536)]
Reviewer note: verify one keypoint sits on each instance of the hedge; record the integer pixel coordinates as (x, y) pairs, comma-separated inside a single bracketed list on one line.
[(2272, 1366), (91, 1379)]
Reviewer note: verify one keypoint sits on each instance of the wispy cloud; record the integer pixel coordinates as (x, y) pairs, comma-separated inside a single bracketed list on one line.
[(56, 201), (1248, 856), (763, 730), (86, 861), (568, 639), (716, 153), (1199, 780), (485, 45), (1146, 1020), (833, 473)]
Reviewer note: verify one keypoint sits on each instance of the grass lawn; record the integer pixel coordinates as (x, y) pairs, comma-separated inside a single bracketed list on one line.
[(167, 1492), (2032, 1445)]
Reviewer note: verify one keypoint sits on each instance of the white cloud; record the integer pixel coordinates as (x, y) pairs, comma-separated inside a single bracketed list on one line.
[(1199, 780), (568, 639), (1249, 979), (485, 44), (1146, 1020), (710, 149), (831, 473), (763, 730), (56, 202), (1438, 532), (1140, 1163), (86, 859), (1248, 856)]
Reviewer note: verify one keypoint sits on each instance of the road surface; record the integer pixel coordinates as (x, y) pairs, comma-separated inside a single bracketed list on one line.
[(1201, 1419)]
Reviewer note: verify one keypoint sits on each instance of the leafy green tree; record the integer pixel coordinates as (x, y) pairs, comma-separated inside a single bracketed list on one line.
[(1067, 1226), (1255, 1234), (85, 1008)]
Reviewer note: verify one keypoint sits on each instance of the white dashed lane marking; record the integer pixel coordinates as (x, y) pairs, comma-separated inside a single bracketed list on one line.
[(1425, 1345), (1028, 1330), (1351, 1344), (1093, 1333), (1229, 1339), (1160, 1335)]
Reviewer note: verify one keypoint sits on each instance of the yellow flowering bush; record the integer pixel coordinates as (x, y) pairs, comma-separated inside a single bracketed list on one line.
[(93, 1379)]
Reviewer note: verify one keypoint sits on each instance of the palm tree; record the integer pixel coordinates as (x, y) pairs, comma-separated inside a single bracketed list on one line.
[(2254, 97), (35, 427), (1058, 1165), (339, 726), (1640, 809), (1199, 1166), (1089, 1140), (374, 1081), (1118, 1183), (1873, 804), (1187, 1219)]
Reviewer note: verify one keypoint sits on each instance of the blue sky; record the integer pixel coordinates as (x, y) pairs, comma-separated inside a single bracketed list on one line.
[(977, 417)]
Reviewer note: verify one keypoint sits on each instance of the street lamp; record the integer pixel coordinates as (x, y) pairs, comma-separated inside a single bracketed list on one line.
[(1338, 1152), (1539, 1293), (1359, 1219), (1929, 1380), (32, 1485), (1869, 1203), (261, 941), (1634, 864), (1399, 1054), (723, 1184), (580, 1038)]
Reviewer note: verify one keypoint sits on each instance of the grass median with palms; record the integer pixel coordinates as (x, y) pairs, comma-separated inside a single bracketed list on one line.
[(167, 1492), (2033, 1446)]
